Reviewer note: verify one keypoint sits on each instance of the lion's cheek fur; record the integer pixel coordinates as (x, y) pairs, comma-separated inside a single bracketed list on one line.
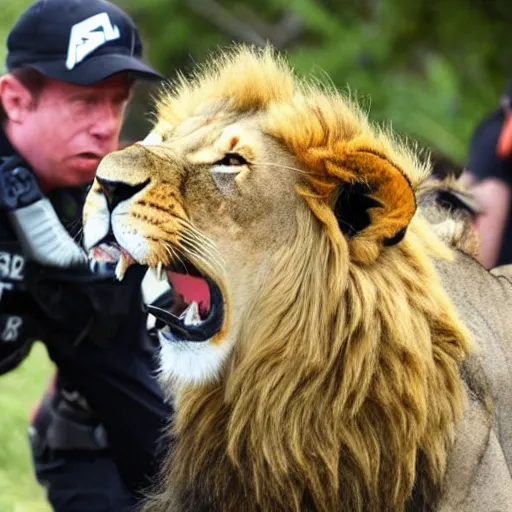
[(194, 364)]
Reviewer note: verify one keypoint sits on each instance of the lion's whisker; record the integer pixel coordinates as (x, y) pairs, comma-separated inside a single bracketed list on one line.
[(287, 167), (201, 239), (194, 234), (192, 250), (173, 254), (197, 252), (78, 235), (200, 244)]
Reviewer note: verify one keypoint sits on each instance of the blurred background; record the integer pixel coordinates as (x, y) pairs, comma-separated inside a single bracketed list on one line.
[(431, 68)]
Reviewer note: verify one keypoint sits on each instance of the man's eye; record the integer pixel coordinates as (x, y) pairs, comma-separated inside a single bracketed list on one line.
[(232, 159), (89, 100)]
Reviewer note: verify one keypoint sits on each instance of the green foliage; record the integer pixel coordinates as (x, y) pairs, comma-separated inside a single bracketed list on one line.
[(432, 68), (20, 390), (11, 9)]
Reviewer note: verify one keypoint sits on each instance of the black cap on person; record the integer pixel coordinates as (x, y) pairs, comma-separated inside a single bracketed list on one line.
[(77, 41)]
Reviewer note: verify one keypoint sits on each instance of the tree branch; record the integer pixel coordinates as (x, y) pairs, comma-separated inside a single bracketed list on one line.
[(257, 32)]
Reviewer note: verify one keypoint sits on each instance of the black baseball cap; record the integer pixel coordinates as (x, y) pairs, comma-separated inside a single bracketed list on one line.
[(77, 41)]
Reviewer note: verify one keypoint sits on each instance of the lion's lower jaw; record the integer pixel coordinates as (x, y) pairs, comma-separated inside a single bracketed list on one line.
[(192, 363)]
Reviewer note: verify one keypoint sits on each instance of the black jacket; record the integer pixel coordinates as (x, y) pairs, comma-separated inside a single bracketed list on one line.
[(113, 369)]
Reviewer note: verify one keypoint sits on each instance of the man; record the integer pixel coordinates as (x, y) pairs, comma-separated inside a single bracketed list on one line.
[(489, 174), (96, 437)]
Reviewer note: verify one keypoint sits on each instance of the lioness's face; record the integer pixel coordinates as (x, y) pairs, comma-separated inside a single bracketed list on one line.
[(208, 204)]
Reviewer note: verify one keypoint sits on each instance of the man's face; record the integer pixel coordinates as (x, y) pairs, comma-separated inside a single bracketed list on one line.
[(71, 128)]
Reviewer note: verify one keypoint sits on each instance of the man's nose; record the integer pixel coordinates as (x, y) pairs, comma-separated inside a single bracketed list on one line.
[(116, 191), (106, 122)]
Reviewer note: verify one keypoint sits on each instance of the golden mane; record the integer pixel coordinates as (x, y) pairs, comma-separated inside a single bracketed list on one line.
[(321, 128), (343, 390)]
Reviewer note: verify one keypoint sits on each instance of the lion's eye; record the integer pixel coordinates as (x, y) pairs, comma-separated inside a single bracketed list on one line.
[(232, 159), (225, 170)]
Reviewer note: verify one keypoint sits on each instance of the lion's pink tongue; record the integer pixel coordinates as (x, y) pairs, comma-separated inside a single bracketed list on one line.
[(192, 289)]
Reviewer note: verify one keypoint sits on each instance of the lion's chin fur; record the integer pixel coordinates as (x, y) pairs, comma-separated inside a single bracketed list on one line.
[(354, 411)]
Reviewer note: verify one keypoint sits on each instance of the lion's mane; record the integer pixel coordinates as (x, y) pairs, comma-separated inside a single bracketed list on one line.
[(343, 390)]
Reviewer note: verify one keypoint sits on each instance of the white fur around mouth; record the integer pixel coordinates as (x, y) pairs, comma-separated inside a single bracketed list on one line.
[(190, 362)]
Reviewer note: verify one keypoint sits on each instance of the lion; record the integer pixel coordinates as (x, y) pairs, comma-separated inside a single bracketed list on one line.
[(325, 349)]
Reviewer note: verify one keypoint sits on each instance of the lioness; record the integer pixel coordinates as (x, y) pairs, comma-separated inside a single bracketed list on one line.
[(336, 355)]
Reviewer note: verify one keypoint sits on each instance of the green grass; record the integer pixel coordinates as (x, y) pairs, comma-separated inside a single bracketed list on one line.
[(19, 392)]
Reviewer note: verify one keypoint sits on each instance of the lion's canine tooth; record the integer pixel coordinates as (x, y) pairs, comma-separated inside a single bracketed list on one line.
[(122, 265), (150, 322), (158, 272), (191, 315)]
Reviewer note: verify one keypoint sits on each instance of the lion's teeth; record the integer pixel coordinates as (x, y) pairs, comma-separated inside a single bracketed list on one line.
[(150, 322), (159, 272), (122, 265), (191, 315)]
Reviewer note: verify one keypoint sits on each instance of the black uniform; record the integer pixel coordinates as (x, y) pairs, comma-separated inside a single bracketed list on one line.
[(97, 437)]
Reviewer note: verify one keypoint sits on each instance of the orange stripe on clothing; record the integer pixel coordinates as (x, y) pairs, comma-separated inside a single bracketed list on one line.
[(504, 146)]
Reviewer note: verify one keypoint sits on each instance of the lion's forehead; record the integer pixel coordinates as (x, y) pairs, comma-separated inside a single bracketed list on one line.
[(204, 139)]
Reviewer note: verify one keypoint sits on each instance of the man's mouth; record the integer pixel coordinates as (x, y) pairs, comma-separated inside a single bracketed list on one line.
[(90, 155), (191, 310)]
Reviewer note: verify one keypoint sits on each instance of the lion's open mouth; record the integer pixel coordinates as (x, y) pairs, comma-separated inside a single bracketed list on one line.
[(193, 308)]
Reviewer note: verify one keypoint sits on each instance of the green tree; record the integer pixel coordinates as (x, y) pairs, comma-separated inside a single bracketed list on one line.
[(432, 68)]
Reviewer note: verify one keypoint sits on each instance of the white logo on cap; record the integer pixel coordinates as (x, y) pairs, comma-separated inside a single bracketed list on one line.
[(85, 37)]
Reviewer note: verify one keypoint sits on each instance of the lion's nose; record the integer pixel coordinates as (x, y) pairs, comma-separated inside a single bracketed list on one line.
[(116, 191)]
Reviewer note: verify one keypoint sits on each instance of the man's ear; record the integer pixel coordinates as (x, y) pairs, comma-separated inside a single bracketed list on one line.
[(375, 202), (16, 99)]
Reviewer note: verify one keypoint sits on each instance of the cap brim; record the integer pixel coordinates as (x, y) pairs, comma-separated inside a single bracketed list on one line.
[(98, 68)]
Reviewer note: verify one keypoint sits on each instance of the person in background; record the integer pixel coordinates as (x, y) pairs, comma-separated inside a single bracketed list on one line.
[(488, 175), (96, 438)]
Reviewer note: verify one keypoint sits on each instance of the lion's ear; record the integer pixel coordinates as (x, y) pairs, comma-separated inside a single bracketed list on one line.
[(375, 201)]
